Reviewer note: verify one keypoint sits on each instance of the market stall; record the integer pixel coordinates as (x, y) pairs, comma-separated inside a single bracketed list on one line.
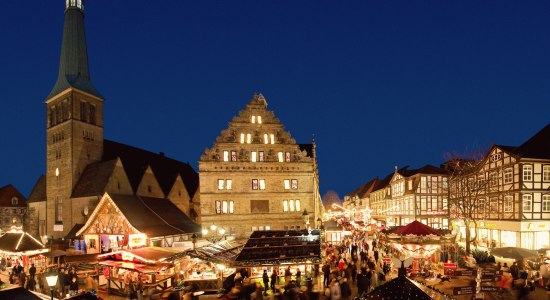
[(281, 252), (207, 266), (17, 246), (151, 264)]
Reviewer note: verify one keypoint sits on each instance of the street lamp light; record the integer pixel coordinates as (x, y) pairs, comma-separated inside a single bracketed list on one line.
[(216, 235), (51, 278)]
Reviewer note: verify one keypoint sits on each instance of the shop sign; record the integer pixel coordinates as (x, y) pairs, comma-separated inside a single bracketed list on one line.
[(464, 290), (136, 240), (483, 224), (490, 288), (489, 278), (535, 226), (127, 256), (465, 273)]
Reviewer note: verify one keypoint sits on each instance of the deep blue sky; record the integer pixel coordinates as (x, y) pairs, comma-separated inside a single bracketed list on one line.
[(379, 83)]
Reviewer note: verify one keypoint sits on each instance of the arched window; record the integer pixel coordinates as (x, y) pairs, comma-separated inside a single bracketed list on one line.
[(14, 201)]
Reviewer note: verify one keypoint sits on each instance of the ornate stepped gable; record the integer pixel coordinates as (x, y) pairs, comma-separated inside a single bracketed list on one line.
[(258, 127)]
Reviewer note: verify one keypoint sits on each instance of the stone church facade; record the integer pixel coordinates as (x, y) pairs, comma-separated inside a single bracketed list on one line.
[(256, 177), (80, 164)]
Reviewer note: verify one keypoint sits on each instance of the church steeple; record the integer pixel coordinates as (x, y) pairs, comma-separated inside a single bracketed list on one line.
[(73, 65)]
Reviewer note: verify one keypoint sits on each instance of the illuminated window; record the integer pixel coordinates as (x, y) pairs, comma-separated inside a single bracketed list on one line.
[(297, 204), (225, 207), (233, 155), (242, 138), (508, 204), (287, 156), (508, 175), (225, 155), (261, 156), (254, 184), (272, 136), (528, 203), (253, 156), (266, 138), (221, 184), (527, 172), (294, 184), (285, 205), (253, 119), (262, 184), (546, 173), (287, 184), (248, 138), (545, 203), (228, 184), (14, 201), (291, 205), (259, 119), (58, 210), (280, 156)]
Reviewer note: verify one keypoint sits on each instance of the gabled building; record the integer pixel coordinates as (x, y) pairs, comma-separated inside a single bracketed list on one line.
[(357, 202), (516, 210), (419, 194), (80, 164), (13, 206), (256, 177)]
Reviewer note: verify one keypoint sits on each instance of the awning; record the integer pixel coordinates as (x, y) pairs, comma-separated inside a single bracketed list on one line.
[(142, 268)]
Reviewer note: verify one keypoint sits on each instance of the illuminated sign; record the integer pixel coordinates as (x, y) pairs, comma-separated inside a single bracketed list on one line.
[(436, 212), (136, 240), (127, 256)]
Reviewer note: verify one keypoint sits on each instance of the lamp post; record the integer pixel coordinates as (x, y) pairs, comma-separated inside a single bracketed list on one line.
[(51, 278), (194, 240), (215, 235)]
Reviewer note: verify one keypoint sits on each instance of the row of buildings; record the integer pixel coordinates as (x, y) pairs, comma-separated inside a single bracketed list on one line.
[(505, 195), (254, 177)]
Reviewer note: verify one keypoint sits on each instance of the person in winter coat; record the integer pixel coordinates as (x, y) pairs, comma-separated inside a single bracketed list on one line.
[(273, 280), (265, 278), (335, 292), (362, 282), (345, 289)]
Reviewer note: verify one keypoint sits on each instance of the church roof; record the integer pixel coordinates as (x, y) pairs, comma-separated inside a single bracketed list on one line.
[(7, 192), (73, 63), (155, 217), (94, 179), (136, 161), (38, 192)]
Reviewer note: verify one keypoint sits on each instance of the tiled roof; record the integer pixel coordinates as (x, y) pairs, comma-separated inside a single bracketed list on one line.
[(363, 190), (94, 179), (7, 192), (38, 191), (427, 169), (538, 146), (19, 242), (147, 215), (276, 247), (404, 288), (136, 161)]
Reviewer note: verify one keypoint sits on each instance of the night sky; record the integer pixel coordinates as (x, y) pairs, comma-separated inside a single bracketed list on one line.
[(379, 83)]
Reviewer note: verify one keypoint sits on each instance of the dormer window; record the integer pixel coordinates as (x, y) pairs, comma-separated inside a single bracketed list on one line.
[(14, 201)]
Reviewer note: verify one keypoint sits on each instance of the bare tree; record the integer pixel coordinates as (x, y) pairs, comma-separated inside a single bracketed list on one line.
[(329, 198), (467, 189)]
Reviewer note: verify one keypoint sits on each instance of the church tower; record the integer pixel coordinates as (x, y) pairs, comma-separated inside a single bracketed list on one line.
[(74, 123)]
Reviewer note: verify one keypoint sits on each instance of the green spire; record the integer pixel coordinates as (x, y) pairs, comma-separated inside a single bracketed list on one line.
[(73, 65)]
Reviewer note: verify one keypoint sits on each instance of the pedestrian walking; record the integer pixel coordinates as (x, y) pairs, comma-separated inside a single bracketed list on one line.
[(265, 278)]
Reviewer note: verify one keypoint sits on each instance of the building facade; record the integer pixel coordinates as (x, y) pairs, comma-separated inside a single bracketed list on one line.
[(13, 207), (256, 177), (516, 199)]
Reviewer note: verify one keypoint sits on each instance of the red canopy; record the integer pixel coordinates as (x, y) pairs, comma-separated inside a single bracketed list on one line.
[(416, 228)]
